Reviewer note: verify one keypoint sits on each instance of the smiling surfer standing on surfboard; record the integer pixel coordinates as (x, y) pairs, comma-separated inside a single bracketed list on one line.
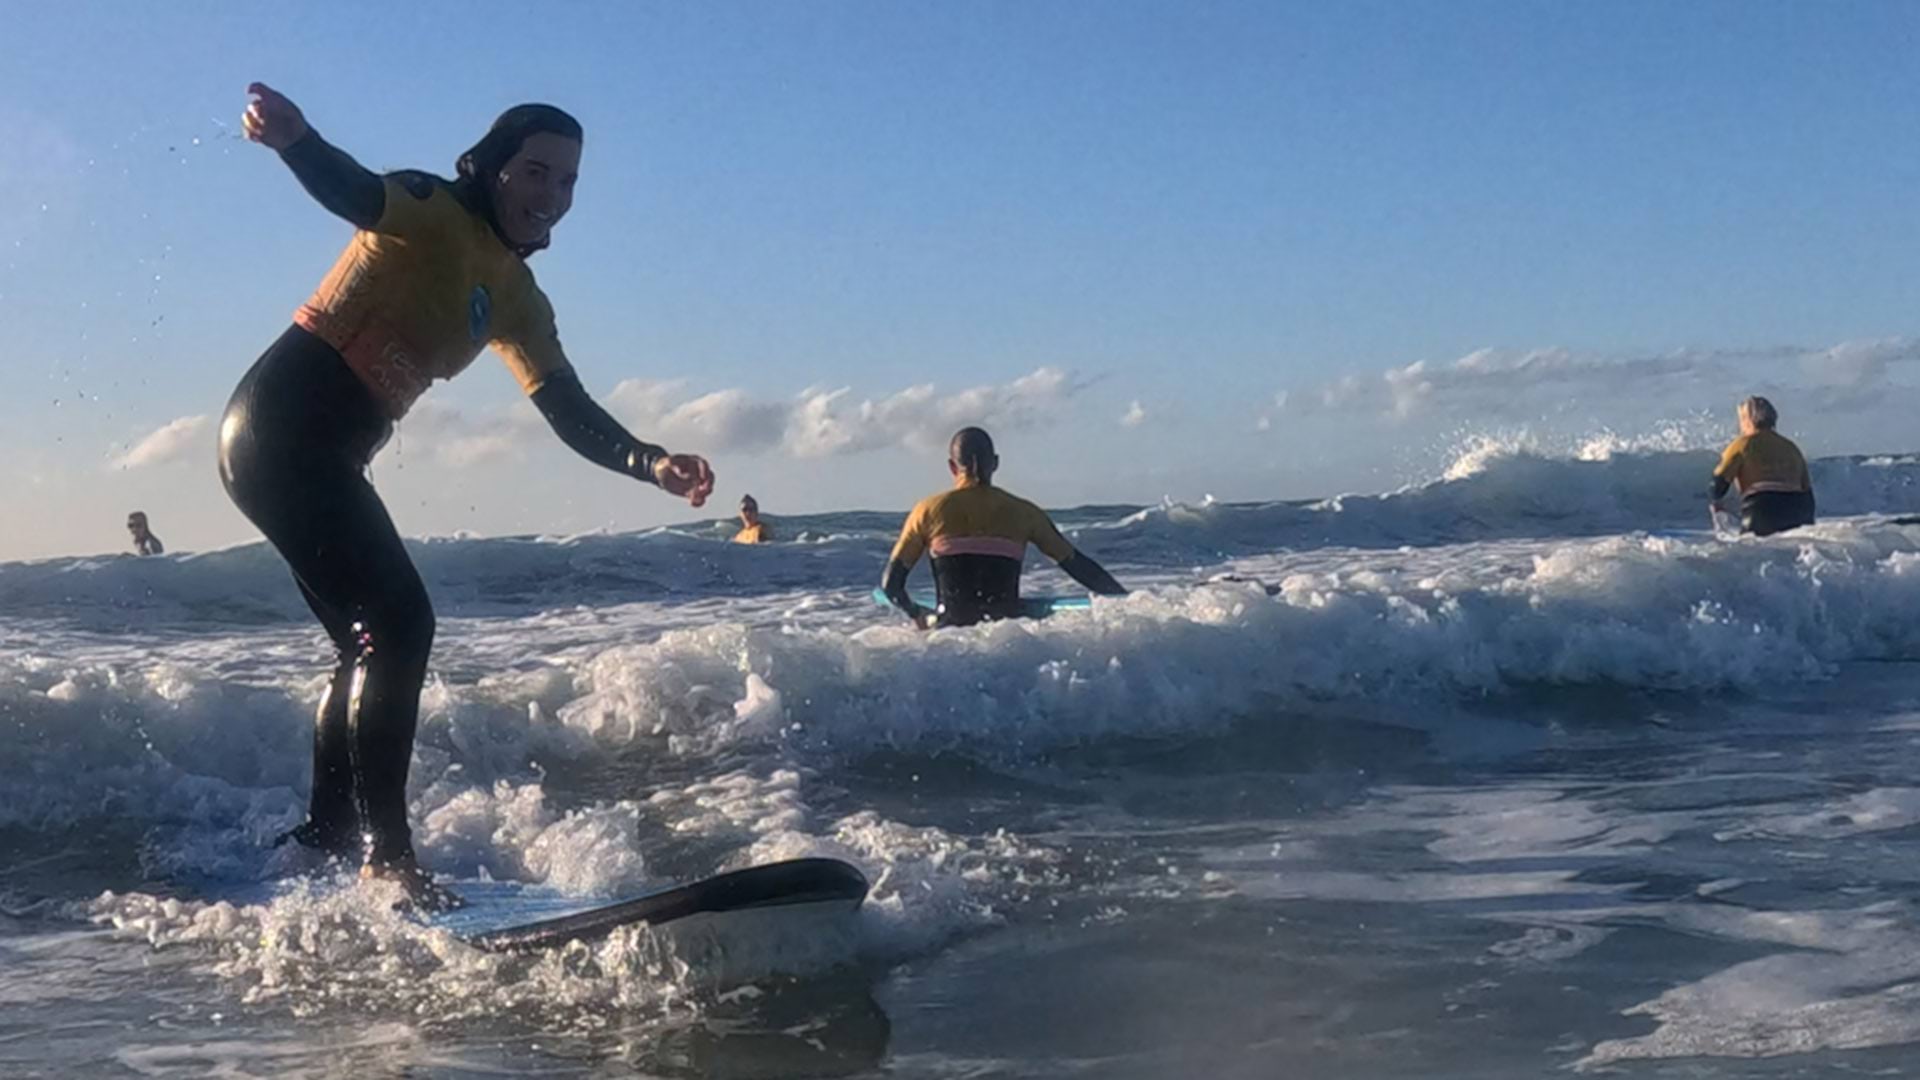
[(978, 536), (436, 272)]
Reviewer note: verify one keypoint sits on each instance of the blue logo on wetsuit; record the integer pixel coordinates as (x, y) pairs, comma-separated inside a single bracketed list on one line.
[(479, 309)]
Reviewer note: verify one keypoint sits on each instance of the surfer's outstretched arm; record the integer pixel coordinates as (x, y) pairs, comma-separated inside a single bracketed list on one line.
[(1091, 574), (589, 431), (336, 181), (330, 175)]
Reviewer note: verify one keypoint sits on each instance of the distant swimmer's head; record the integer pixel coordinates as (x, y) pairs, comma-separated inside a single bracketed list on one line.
[(749, 510), (971, 455), (522, 173), (1757, 414), (137, 523)]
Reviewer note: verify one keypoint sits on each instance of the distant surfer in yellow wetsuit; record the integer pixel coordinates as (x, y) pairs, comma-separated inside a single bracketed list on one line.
[(752, 529), (978, 536), (1776, 491), (435, 273)]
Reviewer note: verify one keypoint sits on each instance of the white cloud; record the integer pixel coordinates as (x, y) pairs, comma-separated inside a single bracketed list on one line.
[(457, 440), (722, 420), (823, 422), (1134, 416), (826, 423), (816, 423), (172, 441), (1492, 383), (1860, 363)]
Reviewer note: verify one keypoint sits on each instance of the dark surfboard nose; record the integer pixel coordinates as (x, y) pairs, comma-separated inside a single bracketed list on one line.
[(782, 884)]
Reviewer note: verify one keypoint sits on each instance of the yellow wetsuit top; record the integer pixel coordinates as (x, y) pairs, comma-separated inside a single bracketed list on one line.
[(756, 533), (1764, 461), (417, 296), (978, 519)]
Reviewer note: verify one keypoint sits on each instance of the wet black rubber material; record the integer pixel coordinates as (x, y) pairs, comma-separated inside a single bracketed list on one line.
[(1764, 513), (781, 884), (294, 447)]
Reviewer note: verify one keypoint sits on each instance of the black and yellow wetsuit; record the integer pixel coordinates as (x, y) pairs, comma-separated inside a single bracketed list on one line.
[(978, 537), (425, 284), (421, 291), (1776, 489)]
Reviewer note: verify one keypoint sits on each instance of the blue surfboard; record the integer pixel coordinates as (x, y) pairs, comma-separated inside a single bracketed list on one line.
[(1031, 607)]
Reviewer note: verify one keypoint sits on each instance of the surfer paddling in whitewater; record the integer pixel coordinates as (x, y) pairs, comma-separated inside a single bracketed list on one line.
[(978, 536), (436, 272), (1776, 490)]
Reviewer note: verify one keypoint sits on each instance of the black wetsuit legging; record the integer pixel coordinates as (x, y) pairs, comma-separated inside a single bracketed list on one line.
[(294, 449), (1764, 513), (975, 588)]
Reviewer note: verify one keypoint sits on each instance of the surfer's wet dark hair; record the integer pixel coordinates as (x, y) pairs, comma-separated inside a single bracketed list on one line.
[(972, 452), (481, 164)]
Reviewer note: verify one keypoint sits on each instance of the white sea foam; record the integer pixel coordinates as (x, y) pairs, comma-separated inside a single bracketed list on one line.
[(602, 706)]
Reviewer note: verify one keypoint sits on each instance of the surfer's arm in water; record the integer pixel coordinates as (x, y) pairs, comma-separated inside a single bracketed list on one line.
[(330, 175), (1044, 535), (1728, 471), (906, 554), (589, 431), (894, 584), (1091, 574)]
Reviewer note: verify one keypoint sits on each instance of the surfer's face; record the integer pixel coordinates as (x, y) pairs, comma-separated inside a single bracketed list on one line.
[(534, 189)]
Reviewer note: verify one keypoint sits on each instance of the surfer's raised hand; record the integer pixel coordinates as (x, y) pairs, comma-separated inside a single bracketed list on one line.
[(271, 119), (686, 475)]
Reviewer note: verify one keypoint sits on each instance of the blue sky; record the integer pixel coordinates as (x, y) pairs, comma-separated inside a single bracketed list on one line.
[(1191, 207)]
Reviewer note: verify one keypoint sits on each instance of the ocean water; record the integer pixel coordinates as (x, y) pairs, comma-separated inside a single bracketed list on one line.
[(1517, 773)]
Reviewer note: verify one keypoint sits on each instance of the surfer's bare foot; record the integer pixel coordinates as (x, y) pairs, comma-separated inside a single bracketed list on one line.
[(423, 893)]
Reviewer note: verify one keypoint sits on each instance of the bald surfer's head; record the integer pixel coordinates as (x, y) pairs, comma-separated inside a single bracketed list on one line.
[(970, 454)]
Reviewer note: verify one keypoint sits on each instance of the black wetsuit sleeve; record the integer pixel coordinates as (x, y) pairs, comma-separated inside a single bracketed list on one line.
[(1092, 575), (587, 429), (336, 181), (894, 584), (1720, 486)]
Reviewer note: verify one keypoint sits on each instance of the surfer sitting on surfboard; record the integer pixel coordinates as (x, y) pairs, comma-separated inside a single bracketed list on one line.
[(436, 272), (978, 536), (1776, 491)]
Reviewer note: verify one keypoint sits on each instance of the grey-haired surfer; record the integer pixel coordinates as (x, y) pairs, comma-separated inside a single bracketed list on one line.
[(1776, 489)]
